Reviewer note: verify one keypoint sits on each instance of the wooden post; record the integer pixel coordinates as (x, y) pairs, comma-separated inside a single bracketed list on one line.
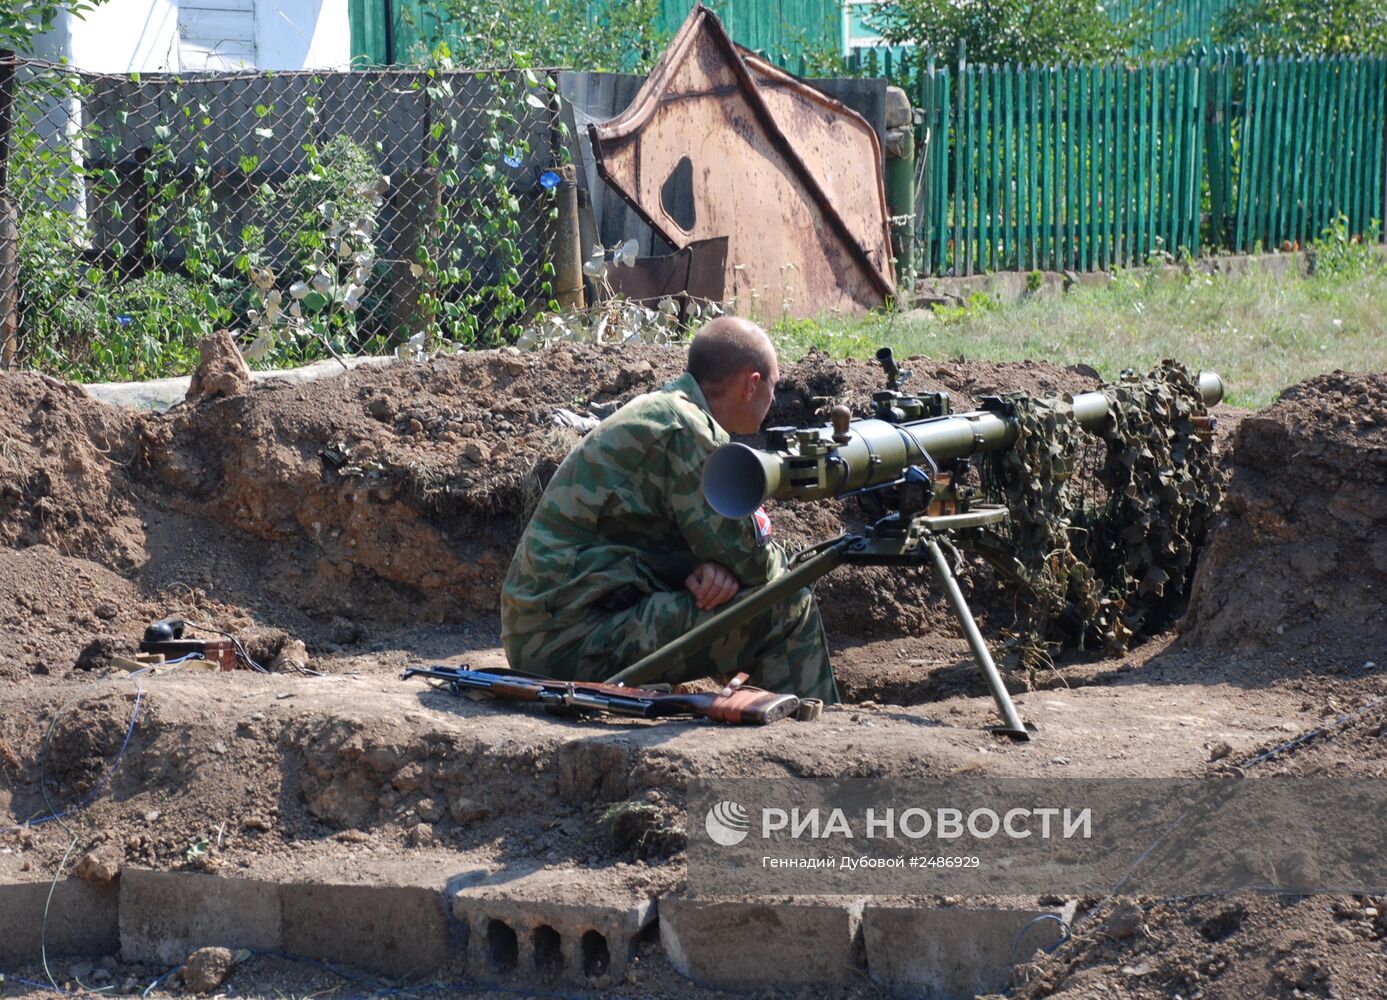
[(9, 222)]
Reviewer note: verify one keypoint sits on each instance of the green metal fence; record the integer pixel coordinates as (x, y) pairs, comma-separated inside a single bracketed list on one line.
[(789, 31), (1092, 167), (792, 31)]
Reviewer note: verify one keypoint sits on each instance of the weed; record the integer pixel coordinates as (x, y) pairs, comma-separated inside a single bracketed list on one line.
[(1338, 254), (1260, 331)]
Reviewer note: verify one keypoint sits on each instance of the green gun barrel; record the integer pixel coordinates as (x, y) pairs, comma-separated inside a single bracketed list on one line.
[(824, 462)]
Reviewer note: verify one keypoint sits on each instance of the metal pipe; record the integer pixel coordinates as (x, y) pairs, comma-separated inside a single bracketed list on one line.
[(738, 479), (1005, 707), (568, 248)]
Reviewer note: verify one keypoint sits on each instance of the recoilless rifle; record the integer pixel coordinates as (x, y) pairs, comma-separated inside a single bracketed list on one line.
[(914, 455)]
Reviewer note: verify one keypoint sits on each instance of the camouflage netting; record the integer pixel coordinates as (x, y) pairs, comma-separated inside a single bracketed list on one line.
[(1104, 528)]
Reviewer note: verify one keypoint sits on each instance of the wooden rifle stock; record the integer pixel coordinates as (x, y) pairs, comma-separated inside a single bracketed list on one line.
[(742, 706)]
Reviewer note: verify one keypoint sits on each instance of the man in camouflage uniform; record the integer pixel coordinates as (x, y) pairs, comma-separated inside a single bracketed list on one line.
[(623, 554)]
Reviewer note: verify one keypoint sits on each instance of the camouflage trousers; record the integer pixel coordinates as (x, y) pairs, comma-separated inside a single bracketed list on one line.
[(784, 649)]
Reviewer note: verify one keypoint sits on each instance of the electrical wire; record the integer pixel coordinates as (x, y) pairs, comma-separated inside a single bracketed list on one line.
[(60, 816), (240, 649)]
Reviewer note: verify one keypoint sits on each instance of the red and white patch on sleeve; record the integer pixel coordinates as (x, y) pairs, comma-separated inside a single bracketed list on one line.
[(763, 525)]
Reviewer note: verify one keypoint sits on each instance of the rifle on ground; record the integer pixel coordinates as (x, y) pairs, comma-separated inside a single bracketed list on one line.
[(735, 704)]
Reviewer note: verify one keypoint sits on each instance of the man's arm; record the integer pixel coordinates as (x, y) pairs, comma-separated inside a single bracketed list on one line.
[(733, 544)]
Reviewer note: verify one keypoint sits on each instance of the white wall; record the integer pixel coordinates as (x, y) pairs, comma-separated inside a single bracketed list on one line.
[(120, 36), (303, 34), (123, 36)]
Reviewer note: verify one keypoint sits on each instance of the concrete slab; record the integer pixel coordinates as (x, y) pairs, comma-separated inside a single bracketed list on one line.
[(82, 920), (165, 916), (552, 924), (397, 930), (725, 943), (952, 952)]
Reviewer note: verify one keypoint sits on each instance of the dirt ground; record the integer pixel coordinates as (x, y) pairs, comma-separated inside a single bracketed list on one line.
[(371, 517)]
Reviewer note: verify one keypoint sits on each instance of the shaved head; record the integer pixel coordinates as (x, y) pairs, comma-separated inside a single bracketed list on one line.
[(727, 347)]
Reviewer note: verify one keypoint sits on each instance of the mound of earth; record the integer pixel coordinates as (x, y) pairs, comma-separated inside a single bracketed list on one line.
[(1298, 561), (376, 500)]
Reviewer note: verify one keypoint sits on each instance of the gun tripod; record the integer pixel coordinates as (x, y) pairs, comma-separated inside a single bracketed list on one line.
[(899, 539)]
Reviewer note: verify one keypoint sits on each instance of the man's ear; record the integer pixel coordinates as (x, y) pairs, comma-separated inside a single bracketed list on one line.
[(752, 381)]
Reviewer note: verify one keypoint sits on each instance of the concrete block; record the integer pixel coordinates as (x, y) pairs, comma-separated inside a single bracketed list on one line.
[(82, 920), (898, 111), (551, 924), (949, 953), (865, 95), (726, 943), (396, 930), (1007, 286), (165, 916)]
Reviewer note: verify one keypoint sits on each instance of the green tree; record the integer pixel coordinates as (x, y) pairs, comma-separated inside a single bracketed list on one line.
[(1044, 31), (1269, 27), (21, 21), (617, 35)]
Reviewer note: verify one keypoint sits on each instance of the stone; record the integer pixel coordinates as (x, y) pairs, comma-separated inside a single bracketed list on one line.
[(465, 810), (430, 811), (897, 143), (100, 653), (222, 371), (1125, 923), (421, 835), (100, 865), (292, 656), (898, 110), (476, 451), (706, 940), (207, 968)]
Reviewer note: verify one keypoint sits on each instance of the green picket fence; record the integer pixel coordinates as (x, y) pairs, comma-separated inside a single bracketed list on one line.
[(1304, 144), (1094, 167)]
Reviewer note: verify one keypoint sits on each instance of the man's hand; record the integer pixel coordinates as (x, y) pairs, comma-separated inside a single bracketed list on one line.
[(712, 586)]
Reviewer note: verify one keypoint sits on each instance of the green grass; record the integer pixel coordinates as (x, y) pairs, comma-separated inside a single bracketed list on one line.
[(1260, 333)]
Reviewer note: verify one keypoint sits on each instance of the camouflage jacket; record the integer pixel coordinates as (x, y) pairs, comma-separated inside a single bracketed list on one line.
[(624, 516)]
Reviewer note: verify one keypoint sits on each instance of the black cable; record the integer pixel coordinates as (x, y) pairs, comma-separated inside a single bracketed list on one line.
[(240, 649)]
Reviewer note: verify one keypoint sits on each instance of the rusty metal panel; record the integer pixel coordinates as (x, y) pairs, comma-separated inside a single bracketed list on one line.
[(789, 176), (697, 272)]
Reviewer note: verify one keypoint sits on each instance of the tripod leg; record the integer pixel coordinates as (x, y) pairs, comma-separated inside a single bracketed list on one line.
[(1013, 725)]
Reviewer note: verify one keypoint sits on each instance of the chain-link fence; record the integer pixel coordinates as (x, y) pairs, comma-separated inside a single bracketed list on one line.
[(313, 212)]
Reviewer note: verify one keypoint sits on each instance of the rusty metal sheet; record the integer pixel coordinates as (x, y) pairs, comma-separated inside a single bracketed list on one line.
[(717, 143), (696, 272)]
